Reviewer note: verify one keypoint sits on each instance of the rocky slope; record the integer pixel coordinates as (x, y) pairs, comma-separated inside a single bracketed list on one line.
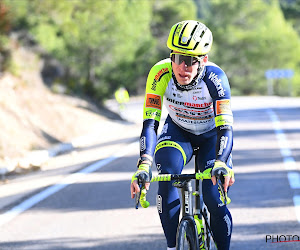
[(32, 116)]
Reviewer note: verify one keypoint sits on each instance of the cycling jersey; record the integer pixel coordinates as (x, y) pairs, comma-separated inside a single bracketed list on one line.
[(202, 108)]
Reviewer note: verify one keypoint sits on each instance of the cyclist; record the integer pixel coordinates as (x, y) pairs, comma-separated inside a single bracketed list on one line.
[(122, 97), (197, 96)]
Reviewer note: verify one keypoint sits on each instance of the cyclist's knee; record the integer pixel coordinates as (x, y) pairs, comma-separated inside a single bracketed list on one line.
[(169, 157)]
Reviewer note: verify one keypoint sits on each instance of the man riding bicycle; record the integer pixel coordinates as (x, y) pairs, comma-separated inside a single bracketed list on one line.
[(197, 96)]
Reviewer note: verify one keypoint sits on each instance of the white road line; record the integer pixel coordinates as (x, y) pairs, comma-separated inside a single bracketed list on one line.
[(71, 179), (288, 160), (294, 179), (296, 199)]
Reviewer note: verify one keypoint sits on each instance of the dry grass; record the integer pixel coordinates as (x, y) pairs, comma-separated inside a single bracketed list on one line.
[(31, 116)]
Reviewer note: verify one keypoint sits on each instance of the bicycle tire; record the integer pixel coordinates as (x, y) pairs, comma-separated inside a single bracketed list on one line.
[(187, 235), (208, 237)]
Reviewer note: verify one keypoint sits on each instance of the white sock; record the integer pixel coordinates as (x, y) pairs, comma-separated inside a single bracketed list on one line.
[(171, 248)]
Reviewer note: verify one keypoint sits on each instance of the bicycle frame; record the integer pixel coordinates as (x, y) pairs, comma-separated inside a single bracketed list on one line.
[(187, 210)]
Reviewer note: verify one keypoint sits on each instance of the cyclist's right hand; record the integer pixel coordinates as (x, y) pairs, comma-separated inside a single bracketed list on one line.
[(141, 176), (220, 168)]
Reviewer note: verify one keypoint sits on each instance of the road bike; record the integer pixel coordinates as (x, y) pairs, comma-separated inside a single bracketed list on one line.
[(193, 231)]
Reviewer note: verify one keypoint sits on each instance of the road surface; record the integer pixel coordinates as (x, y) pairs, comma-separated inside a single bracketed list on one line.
[(62, 208)]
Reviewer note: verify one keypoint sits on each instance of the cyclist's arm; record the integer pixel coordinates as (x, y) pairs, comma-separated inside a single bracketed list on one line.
[(219, 88), (157, 82)]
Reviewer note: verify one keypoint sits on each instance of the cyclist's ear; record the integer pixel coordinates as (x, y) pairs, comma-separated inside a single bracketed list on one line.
[(204, 61)]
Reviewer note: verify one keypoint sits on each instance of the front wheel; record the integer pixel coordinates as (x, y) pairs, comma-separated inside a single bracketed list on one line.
[(187, 236)]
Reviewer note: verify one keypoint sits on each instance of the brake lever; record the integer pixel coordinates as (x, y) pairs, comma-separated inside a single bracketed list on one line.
[(221, 188), (137, 197), (141, 183)]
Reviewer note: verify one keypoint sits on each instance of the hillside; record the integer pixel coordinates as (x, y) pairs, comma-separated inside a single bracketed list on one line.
[(32, 116)]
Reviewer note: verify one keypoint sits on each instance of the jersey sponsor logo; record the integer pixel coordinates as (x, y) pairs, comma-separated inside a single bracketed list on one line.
[(227, 127), (193, 121), (158, 76), (163, 139), (223, 120), (159, 203), (165, 129), (223, 144), (217, 82), (153, 114), (143, 143), (153, 101), (223, 107), (192, 113), (196, 98), (158, 167), (191, 105), (228, 222), (210, 162), (178, 95)]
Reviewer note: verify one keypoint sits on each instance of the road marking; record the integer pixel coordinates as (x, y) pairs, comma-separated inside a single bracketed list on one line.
[(294, 179), (288, 160), (70, 179), (296, 199)]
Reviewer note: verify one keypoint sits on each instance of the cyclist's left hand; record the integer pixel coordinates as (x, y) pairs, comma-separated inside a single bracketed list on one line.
[(228, 178)]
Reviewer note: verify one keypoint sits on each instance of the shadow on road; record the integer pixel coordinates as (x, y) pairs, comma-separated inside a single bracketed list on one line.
[(145, 242)]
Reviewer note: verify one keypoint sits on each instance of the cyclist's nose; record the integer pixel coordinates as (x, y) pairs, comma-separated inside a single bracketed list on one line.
[(183, 65)]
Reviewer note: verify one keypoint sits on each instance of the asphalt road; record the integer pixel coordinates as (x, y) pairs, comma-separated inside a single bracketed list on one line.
[(93, 209)]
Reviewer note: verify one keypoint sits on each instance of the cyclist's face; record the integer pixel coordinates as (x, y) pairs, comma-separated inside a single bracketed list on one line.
[(185, 74)]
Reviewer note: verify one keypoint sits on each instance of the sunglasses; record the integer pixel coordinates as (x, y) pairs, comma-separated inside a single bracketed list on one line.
[(188, 60)]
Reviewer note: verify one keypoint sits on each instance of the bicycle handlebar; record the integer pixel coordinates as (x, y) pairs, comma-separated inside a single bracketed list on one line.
[(141, 196)]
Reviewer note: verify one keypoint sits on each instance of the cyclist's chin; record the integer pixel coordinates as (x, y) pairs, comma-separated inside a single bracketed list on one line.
[(184, 80)]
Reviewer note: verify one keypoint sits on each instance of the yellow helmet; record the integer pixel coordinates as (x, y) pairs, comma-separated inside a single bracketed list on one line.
[(190, 37)]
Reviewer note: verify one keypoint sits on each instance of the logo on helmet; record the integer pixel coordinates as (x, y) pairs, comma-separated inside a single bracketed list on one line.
[(199, 32), (178, 30), (184, 39)]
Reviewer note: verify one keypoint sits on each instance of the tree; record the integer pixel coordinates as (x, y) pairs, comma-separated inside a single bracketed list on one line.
[(4, 29), (291, 11), (251, 37)]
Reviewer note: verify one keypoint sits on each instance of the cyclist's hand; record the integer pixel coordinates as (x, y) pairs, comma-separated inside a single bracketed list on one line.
[(143, 174), (228, 174)]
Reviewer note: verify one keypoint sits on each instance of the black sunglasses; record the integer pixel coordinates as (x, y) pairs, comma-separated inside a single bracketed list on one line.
[(188, 60)]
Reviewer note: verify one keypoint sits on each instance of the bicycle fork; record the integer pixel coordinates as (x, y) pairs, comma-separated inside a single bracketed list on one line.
[(187, 208), (186, 194)]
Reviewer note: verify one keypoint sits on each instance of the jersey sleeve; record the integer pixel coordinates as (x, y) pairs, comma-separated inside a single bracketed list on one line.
[(219, 89), (157, 82), (156, 85)]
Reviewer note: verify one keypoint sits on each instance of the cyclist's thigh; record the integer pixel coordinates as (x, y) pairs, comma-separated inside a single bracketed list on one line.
[(173, 149), (206, 159), (207, 151)]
